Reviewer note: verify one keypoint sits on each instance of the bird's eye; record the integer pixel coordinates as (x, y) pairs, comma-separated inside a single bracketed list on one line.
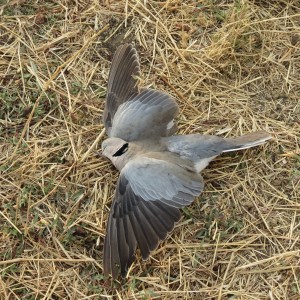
[(122, 150)]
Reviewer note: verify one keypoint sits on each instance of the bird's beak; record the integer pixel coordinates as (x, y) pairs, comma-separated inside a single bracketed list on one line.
[(100, 154)]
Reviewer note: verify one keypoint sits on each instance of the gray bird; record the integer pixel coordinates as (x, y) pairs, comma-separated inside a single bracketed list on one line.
[(159, 171)]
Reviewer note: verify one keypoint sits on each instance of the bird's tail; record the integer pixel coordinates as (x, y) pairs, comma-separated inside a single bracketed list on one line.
[(247, 141)]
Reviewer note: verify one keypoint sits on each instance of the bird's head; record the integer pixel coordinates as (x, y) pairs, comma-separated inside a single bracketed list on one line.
[(114, 149)]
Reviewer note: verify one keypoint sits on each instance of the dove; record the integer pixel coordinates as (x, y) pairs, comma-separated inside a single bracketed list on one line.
[(159, 171)]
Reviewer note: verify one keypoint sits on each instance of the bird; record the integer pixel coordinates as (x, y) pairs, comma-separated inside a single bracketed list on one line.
[(160, 171)]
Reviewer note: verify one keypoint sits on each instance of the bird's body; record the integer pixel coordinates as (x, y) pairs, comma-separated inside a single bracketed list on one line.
[(159, 171), (195, 149)]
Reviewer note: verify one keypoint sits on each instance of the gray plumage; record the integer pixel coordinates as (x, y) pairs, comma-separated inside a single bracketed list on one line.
[(159, 172)]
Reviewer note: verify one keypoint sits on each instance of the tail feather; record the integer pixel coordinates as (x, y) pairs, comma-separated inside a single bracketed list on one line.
[(247, 141)]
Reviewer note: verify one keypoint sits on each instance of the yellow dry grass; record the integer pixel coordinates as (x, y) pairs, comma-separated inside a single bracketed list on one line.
[(234, 67)]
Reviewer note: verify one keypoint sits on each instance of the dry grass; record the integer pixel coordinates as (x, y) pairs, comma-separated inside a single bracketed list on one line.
[(234, 67)]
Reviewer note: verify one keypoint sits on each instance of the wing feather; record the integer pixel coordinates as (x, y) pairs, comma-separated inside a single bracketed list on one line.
[(153, 179), (141, 217), (130, 114), (145, 115), (122, 81), (157, 225)]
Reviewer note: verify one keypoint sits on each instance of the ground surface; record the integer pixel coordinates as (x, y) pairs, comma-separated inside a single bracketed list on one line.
[(233, 66)]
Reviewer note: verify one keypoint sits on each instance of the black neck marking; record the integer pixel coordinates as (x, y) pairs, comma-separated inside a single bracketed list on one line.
[(122, 150)]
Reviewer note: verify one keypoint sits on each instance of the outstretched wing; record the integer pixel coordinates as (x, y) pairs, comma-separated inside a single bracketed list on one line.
[(146, 206), (130, 114), (122, 81)]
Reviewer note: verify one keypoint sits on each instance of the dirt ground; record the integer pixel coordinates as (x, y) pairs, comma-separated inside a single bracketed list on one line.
[(233, 66)]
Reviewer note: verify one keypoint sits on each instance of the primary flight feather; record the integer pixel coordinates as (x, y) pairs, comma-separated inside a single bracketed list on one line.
[(159, 171)]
